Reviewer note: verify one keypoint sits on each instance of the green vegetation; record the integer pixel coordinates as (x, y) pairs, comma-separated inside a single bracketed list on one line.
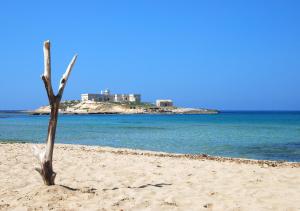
[(68, 103)]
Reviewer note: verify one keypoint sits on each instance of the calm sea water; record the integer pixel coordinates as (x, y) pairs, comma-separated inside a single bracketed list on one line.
[(258, 135)]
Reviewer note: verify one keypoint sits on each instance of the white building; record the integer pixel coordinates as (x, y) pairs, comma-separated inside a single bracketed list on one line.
[(135, 98), (106, 96), (91, 97), (164, 103)]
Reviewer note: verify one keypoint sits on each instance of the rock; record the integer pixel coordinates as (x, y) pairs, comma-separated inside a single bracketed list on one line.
[(209, 205)]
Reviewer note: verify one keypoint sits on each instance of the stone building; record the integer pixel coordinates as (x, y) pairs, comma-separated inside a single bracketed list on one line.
[(164, 103), (91, 97), (106, 96)]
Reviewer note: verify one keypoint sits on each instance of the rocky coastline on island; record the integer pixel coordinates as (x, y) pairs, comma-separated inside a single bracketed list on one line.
[(93, 107)]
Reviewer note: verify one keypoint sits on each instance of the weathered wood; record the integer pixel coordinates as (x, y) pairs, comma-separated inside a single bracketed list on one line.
[(45, 155), (64, 79), (46, 77)]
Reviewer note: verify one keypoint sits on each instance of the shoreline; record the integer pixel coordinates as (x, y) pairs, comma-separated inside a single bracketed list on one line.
[(125, 113), (140, 152), (104, 178)]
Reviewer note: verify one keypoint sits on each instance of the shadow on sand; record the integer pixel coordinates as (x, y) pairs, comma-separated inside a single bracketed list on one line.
[(158, 185), (93, 190), (83, 190)]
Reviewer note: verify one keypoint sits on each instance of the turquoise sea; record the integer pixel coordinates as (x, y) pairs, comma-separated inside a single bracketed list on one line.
[(257, 135)]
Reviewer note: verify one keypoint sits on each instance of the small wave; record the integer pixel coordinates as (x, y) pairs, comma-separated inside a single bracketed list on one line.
[(142, 127)]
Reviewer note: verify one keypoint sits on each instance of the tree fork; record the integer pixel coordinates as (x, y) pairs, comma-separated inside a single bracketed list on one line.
[(45, 155)]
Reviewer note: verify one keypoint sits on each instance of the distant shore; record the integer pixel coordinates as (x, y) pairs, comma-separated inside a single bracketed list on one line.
[(90, 178), (90, 107)]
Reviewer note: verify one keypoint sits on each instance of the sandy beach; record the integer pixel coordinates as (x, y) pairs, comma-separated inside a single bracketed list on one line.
[(100, 178)]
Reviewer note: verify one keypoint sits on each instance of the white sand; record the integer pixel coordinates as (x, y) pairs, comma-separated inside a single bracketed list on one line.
[(94, 178)]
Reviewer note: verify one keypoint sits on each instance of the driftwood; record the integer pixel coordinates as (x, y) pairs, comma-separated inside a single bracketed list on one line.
[(45, 155)]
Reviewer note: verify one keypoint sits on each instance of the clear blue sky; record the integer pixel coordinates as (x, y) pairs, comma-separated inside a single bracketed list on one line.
[(216, 54)]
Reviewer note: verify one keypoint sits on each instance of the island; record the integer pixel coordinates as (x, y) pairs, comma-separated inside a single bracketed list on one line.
[(107, 103)]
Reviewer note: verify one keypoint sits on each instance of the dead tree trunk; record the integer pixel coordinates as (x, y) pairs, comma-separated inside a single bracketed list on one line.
[(45, 155)]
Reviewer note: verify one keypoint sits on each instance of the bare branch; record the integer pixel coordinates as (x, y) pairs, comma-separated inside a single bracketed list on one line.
[(38, 153), (45, 155), (65, 77), (46, 77), (48, 89), (47, 60)]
